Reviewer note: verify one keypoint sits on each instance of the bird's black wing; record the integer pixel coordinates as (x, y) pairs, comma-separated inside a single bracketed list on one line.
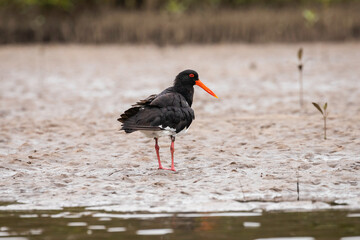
[(157, 112), (142, 116), (175, 111), (135, 108)]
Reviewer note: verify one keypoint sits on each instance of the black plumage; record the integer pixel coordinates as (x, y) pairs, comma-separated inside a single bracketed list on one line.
[(171, 109), (165, 114)]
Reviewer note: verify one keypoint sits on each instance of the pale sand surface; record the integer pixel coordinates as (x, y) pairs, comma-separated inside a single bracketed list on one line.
[(60, 145)]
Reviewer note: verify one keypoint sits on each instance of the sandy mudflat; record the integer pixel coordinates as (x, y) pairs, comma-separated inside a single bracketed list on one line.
[(60, 144)]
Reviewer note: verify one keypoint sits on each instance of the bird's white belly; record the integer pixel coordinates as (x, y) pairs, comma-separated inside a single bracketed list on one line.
[(165, 132)]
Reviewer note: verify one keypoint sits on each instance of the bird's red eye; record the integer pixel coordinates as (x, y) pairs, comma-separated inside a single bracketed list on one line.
[(191, 75)]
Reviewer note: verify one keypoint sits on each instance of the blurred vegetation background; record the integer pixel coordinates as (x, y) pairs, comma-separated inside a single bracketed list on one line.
[(176, 22)]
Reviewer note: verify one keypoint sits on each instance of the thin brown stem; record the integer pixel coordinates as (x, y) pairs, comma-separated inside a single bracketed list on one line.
[(325, 127), (301, 97), (297, 184), (298, 189)]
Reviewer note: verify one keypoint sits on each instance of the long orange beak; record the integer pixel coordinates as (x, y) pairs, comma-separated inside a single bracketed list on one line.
[(200, 84)]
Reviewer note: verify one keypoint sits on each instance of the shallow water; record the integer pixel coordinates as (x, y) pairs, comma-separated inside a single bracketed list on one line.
[(78, 223)]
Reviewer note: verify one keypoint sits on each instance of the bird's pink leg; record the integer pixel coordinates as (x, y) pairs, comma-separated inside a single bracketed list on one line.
[(172, 150), (157, 152)]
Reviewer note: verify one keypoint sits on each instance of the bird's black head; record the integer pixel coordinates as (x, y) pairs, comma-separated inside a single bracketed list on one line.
[(186, 78), (185, 81)]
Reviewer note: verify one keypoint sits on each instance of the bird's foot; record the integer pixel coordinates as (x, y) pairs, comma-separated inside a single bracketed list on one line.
[(170, 169)]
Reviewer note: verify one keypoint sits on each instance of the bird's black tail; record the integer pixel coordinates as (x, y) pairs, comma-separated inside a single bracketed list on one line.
[(128, 128)]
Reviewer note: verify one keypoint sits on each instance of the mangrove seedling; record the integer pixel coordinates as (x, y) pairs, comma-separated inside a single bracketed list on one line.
[(300, 67), (324, 113)]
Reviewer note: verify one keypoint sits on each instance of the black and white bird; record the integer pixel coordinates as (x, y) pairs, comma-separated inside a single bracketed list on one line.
[(168, 113)]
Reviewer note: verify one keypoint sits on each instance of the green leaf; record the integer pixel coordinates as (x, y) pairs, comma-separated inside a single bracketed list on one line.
[(325, 106), (318, 107), (310, 16), (300, 53)]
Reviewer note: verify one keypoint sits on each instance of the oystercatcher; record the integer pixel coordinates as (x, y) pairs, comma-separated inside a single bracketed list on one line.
[(166, 114)]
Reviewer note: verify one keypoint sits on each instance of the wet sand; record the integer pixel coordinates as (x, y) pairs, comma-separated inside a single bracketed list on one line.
[(60, 145)]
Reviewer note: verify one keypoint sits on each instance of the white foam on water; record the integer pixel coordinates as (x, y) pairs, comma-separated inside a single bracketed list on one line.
[(130, 216), (251, 224), (70, 215), (353, 215), (221, 214), (28, 216), (350, 238), (116, 229), (104, 219), (59, 215), (37, 231), (77, 224), (154, 231), (97, 227)]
